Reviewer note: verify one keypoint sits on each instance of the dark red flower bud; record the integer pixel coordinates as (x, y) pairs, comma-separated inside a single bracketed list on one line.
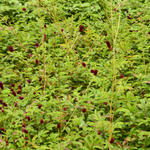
[(108, 45), (19, 92), (99, 132), (81, 28), (5, 104), (19, 87), (3, 129), (83, 64), (3, 110), (8, 94), (36, 45), (115, 9), (40, 78), (34, 93), (12, 84), (24, 130), (64, 108), (45, 26), (13, 93), (37, 61), (23, 125), (10, 48), (62, 30), (129, 17), (41, 121), (0, 108), (16, 104), (54, 32), (112, 140), (39, 106), (24, 9), (26, 142), (84, 110), (121, 76), (21, 97), (26, 138), (28, 117), (130, 30), (1, 101), (45, 37), (6, 142), (58, 125), (1, 85), (95, 72), (105, 103), (29, 81)]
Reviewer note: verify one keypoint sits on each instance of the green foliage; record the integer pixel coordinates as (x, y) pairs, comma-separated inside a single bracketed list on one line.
[(74, 103)]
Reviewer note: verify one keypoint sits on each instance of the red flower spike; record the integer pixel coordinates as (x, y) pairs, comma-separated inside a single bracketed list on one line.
[(84, 110), (1, 101), (29, 81), (112, 140), (45, 37), (16, 104), (24, 130), (95, 72), (129, 17), (83, 64), (105, 103), (81, 28), (40, 78), (10, 48), (64, 108), (41, 121), (36, 45), (28, 117), (13, 93), (108, 45), (99, 132), (45, 26), (24, 9), (121, 76), (39, 106), (19, 92), (21, 97), (58, 125), (37, 61), (1, 85)]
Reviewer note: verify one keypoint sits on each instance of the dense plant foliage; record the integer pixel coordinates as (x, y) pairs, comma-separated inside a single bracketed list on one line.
[(74, 75)]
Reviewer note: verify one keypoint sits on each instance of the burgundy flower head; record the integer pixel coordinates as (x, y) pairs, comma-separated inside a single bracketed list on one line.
[(108, 45), (129, 17), (105, 103), (19, 92), (3, 129), (1, 101), (1, 85), (37, 61), (83, 64), (16, 104), (84, 110), (28, 117), (19, 87), (36, 45), (99, 132), (112, 140), (121, 76), (54, 32), (5, 104), (58, 125), (62, 30), (94, 72), (24, 9), (13, 93), (29, 81), (24, 130), (40, 78), (45, 37), (45, 26), (21, 97), (64, 108), (10, 48), (81, 28), (12, 84), (41, 121), (39, 106)]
